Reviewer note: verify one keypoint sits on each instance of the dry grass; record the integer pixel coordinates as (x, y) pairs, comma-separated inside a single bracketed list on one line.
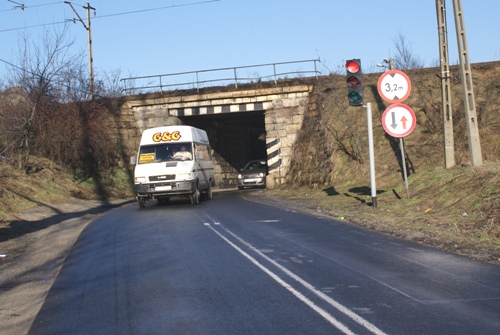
[(455, 209), (46, 184)]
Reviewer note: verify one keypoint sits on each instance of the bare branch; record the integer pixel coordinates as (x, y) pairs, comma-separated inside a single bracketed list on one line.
[(405, 59)]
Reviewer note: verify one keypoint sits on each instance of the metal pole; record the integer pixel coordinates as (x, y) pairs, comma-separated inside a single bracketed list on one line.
[(197, 83), (371, 154), (274, 69), (403, 162), (315, 70)]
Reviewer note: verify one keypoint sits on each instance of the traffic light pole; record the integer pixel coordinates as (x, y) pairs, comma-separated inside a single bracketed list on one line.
[(355, 97), (371, 154)]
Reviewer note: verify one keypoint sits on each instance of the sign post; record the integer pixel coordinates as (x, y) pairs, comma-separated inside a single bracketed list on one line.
[(398, 119)]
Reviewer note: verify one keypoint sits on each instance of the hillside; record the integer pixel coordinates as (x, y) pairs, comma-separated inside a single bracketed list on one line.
[(456, 209)]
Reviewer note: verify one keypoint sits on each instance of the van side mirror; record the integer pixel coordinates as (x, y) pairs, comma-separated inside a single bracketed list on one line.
[(133, 160)]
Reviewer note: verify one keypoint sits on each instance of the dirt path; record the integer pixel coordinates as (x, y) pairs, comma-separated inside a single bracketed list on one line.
[(42, 239)]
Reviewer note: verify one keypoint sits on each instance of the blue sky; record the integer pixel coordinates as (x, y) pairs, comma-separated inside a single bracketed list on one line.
[(188, 35)]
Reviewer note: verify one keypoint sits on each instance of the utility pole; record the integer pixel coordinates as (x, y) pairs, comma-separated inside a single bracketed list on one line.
[(449, 147), (465, 71), (89, 39), (91, 60)]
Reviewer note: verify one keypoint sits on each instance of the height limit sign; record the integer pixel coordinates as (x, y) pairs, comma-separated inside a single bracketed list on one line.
[(394, 86)]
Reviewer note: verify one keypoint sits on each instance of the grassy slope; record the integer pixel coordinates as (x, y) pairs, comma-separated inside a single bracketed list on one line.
[(456, 209)]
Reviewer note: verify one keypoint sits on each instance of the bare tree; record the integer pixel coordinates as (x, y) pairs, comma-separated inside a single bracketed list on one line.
[(405, 58), (39, 75), (110, 85)]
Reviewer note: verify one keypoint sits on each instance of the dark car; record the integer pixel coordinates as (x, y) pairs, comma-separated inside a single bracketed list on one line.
[(253, 174)]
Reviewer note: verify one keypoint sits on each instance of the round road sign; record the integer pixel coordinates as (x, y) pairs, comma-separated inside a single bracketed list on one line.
[(398, 120), (394, 86)]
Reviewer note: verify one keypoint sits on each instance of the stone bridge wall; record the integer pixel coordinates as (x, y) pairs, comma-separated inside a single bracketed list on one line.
[(283, 107)]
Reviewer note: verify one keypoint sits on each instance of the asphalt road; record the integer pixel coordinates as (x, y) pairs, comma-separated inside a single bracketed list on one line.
[(235, 266)]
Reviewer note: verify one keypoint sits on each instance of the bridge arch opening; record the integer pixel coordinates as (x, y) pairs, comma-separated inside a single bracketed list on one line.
[(236, 138)]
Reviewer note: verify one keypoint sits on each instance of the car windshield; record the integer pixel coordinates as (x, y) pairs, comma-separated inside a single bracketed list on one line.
[(165, 152), (254, 165)]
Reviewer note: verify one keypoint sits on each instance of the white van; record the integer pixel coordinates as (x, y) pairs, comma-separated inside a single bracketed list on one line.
[(173, 161)]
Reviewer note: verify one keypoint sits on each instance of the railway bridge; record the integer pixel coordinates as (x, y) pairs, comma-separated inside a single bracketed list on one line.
[(242, 125)]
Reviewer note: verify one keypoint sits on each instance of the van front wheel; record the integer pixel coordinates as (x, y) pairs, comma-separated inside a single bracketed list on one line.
[(195, 197)]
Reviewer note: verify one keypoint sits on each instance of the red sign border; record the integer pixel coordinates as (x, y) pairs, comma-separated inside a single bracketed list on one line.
[(388, 131), (389, 72)]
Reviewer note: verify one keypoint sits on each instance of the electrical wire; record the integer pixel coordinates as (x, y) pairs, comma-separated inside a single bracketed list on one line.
[(39, 25), (23, 6), (110, 15), (158, 8)]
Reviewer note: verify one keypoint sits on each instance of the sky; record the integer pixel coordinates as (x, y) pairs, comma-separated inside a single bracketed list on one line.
[(153, 37)]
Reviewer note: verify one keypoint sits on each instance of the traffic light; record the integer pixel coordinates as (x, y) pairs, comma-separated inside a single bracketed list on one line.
[(354, 82)]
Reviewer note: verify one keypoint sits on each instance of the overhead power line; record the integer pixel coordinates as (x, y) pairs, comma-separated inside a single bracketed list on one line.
[(110, 15), (22, 6), (158, 8)]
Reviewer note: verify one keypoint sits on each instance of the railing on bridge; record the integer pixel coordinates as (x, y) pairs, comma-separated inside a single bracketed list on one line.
[(217, 77)]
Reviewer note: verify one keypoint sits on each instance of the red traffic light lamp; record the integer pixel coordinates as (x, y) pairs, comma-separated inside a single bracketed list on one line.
[(354, 82)]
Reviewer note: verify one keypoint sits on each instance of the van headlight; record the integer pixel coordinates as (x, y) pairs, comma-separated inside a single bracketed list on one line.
[(140, 180), (183, 176)]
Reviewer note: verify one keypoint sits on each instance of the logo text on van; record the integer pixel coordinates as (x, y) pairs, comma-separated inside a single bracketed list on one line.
[(166, 136)]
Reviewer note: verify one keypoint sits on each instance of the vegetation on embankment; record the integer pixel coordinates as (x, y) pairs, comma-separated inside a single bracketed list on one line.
[(456, 208)]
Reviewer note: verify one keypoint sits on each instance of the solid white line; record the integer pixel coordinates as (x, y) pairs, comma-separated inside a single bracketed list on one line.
[(299, 295), (329, 300)]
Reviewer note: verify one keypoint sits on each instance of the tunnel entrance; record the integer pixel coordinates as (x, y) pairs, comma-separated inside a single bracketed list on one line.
[(236, 138)]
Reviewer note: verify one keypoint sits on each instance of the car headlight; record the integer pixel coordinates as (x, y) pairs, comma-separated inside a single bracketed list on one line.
[(261, 175), (239, 176), (140, 180)]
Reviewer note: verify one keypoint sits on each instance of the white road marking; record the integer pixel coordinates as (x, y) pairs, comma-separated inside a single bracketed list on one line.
[(299, 295), (341, 308)]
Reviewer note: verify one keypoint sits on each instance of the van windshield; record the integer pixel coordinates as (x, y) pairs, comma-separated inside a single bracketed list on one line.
[(165, 152)]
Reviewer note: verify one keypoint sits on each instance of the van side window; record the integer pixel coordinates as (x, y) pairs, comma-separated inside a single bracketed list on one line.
[(204, 150)]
